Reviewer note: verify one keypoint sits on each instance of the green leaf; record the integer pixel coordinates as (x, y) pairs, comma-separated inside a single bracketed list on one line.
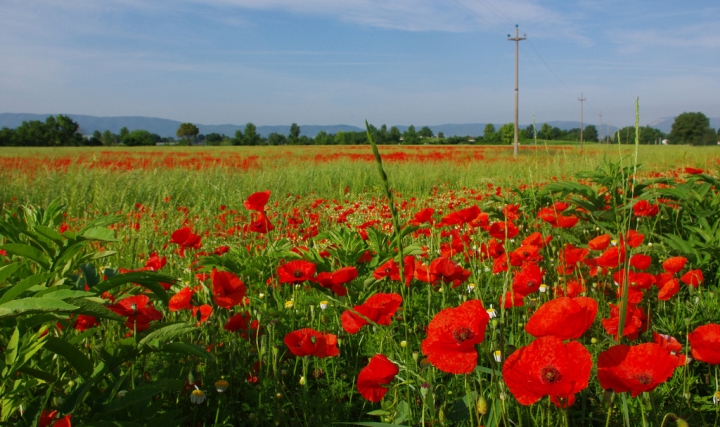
[(92, 308), (185, 348), (49, 233), (33, 305), (8, 270), (42, 375), (167, 333), (378, 412), (103, 221), (139, 395), (75, 357), (23, 286), (12, 348), (29, 252), (148, 279), (99, 233)]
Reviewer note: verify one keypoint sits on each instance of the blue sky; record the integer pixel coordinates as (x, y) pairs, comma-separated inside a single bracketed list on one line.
[(398, 62)]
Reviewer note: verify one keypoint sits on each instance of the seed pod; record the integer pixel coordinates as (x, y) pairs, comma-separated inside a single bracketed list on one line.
[(482, 406)]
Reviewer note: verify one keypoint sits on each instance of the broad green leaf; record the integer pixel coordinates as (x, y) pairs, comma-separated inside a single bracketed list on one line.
[(29, 252), (49, 233), (139, 395), (103, 254), (70, 353), (23, 286), (167, 333), (64, 294), (184, 348), (33, 305), (103, 221), (99, 233), (93, 308), (42, 375), (378, 412), (12, 348), (8, 270), (148, 279)]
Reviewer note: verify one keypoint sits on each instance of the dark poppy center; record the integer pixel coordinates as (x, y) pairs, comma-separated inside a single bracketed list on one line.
[(298, 273), (462, 334), (644, 378), (530, 283), (550, 375), (526, 254), (388, 270)]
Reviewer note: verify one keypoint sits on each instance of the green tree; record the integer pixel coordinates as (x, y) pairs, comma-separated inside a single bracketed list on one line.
[(277, 139), (410, 136), (251, 136), (214, 138), (530, 132), (294, 134), (187, 131), (124, 132), (140, 137), (490, 136), (693, 129), (239, 138), (382, 135), (507, 133), (322, 138), (108, 138), (6, 137), (590, 133), (426, 132), (394, 135), (441, 135)]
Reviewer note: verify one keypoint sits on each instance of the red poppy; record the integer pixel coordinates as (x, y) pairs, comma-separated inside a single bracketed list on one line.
[(462, 216), (671, 345), (47, 419), (634, 239), (445, 269), (635, 369), (600, 243), (669, 289), (337, 279), (536, 239), (547, 367), (644, 208), (705, 343), (528, 279), (181, 300), (674, 264), (512, 299), (375, 376), (257, 201), (636, 322), (640, 261), (693, 278), (228, 289), (503, 230), (693, 171), (548, 215), (154, 262), (391, 269), (570, 257), (379, 308), (572, 289), (567, 221), (186, 239), (423, 216), (452, 335), (564, 318), (85, 322), (137, 311), (296, 271), (260, 223), (525, 253), (309, 342), (241, 322), (202, 313)]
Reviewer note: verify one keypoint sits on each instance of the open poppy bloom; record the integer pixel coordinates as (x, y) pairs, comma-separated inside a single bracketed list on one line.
[(241, 322), (309, 342), (693, 278), (645, 208), (379, 308), (202, 313), (186, 239), (705, 343), (674, 264), (671, 345), (296, 271), (635, 369), (260, 223), (47, 419), (139, 314), (337, 279), (452, 335), (564, 318), (228, 289), (257, 201), (85, 322), (528, 279), (547, 367), (375, 376), (181, 300), (636, 322), (599, 243)]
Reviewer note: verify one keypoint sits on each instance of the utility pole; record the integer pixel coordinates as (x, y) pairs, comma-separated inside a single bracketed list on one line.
[(600, 139), (581, 99), (517, 40)]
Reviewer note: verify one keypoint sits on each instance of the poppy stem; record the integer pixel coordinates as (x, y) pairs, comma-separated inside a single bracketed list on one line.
[(610, 407)]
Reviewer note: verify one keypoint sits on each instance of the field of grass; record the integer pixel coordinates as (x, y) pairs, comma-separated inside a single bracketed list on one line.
[(282, 286)]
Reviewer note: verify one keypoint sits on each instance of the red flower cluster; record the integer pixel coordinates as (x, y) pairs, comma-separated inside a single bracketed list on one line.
[(139, 314), (635, 369), (186, 239), (309, 342)]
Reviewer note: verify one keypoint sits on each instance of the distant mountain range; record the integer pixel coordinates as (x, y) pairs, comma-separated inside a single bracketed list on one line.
[(168, 128)]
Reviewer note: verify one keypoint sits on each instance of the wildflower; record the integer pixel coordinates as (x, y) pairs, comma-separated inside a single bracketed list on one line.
[(471, 287), (181, 300), (375, 376), (565, 318), (296, 271), (197, 396), (289, 304), (452, 335), (323, 305), (221, 385), (547, 367), (497, 355), (528, 279), (307, 342), (644, 208), (716, 397), (337, 279), (241, 322), (674, 264), (379, 308), (47, 419), (228, 289), (257, 201), (600, 243), (693, 278), (491, 312), (705, 343), (139, 314), (635, 368), (302, 380), (186, 239)]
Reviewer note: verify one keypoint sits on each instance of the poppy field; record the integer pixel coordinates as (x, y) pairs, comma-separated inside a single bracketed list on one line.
[(417, 286)]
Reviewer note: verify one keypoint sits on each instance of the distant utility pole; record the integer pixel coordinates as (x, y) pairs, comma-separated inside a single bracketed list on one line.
[(517, 40), (581, 99), (600, 139)]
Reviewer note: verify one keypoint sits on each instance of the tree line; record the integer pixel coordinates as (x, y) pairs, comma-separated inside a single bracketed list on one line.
[(688, 128)]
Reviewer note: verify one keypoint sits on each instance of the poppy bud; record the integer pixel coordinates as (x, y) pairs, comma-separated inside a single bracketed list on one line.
[(302, 380), (482, 406)]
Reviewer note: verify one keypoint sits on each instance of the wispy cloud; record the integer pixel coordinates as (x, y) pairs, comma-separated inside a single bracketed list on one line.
[(699, 36)]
